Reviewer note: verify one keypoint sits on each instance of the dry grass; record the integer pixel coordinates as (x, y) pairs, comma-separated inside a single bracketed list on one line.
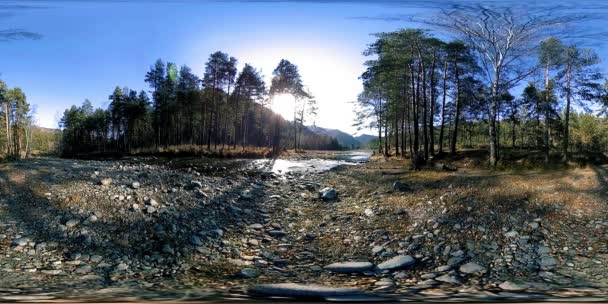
[(484, 202)]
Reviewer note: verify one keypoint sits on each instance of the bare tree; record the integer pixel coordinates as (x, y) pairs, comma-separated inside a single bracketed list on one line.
[(505, 39)]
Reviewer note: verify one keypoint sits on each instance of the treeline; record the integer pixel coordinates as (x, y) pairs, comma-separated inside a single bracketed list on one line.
[(16, 119), (427, 97), (225, 108)]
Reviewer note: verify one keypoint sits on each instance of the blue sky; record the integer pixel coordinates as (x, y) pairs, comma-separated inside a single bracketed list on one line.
[(89, 47)]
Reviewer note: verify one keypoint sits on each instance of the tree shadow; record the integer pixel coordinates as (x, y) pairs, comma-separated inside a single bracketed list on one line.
[(129, 235)]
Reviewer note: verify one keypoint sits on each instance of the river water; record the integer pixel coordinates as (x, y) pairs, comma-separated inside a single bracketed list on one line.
[(312, 165)]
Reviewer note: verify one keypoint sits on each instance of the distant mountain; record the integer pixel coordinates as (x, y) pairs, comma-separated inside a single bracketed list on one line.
[(365, 139), (344, 139)]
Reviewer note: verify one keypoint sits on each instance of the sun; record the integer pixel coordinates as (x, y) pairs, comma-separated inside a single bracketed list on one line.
[(283, 104)]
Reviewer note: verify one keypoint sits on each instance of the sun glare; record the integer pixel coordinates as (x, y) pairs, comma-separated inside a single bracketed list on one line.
[(283, 105)]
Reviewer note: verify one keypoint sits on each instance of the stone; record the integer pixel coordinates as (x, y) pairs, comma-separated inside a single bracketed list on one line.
[(399, 186), (72, 223), (249, 273), (303, 290), (153, 202), (446, 278), (400, 261), (547, 263), (92, 219), (368, 212), (168, 249), (511, 234), (21, 241), (135, 185), (256, 226), (349, 267), (196, 185), (328, 194), (195, 240), (377, 250), (443, 268), (105, 181), (472, 268), (512, 286), (121, 267), (83, 269), (277, 233)]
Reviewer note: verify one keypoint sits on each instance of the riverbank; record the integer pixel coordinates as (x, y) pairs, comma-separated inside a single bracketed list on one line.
[(158, 228)]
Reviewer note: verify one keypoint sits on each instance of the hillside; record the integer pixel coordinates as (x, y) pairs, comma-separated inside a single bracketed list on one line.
[(345, 139), (365, 139)]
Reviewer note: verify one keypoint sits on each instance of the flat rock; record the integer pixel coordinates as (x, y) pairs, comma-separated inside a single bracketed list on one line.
[(397, 262), (249, 273), (303, 290), (472, 268), (446, 278), (71, 223), (512, 286), (349, 267)]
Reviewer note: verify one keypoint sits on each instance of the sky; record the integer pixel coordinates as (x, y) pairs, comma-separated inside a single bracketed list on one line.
[(89, 47)]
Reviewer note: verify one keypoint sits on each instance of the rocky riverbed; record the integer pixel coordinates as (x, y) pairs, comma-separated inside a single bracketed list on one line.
[(148, 228)]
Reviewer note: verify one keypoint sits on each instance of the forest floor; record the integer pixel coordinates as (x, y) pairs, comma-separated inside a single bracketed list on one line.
[(199, 229)]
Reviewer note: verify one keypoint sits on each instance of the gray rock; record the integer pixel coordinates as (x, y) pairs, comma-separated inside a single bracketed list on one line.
[(377, 250), (196, 185), (400, 261), (21, 241), (399, 186), (472, 268), (349, 267), (92, 219), (446, 278), (368, 212), (195, 240), (512, 286), (83, 269), (152, 202), (168, 249), (277, 233), (301, 290), (328, 194), (71, 223), (249, 273), (541, 250), (121, 267), (135, 185), (256, 226), (453, 261), (547, 263), (105, 181)]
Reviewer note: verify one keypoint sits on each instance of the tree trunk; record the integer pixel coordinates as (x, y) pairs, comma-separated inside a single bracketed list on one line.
[(492, 122), (546, 109), (441, 129), (432, 106), (457, 114), (567, 114)]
